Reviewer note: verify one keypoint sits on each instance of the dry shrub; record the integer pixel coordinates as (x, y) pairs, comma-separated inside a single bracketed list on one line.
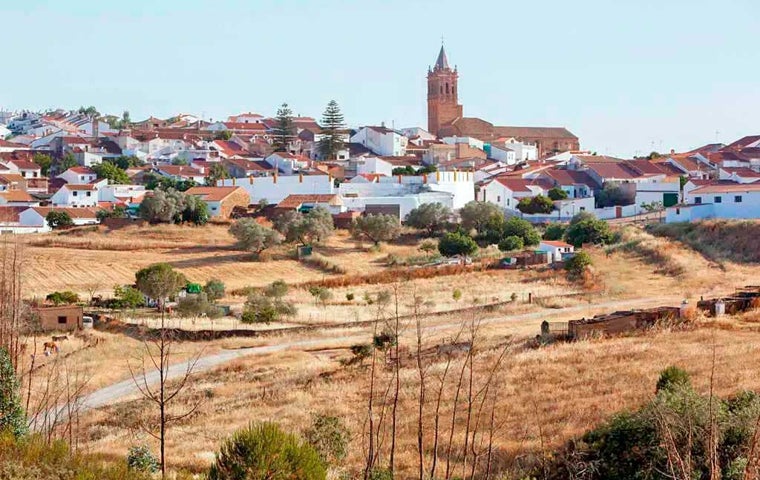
[(322, 263), (666, 255), (717, 240)]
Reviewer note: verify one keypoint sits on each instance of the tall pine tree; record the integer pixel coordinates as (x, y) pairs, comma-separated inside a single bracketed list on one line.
[(12, 418), (332, 130), (284, 130)]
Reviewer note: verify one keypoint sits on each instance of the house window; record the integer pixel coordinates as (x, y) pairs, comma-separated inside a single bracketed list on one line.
[(498, 198), (62, 320), (718, 199), (89, 194), (678, 211), (698, 200), (738, 199), (75, 193)]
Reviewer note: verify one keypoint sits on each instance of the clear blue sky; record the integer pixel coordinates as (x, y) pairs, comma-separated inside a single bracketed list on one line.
[(622, 75)]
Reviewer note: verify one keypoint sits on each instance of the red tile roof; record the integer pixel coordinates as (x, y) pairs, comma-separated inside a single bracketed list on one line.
[(73, 212), (555, 243), (295, 201), (82, 170), (727, 187), (214, 194)]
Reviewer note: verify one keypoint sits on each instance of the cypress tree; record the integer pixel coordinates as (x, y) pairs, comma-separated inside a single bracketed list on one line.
[(332, 127), (12, 417), (284, 130)]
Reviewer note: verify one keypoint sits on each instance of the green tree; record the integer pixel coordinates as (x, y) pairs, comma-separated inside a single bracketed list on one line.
[(112, 173), (128, 296), (198, 306), (612, 194), (264, 452), (59, 219), (160, 282), (195, 210), (511, 243), (522, 228), (554, 231), (124, 162), (332, 132), (68, 161), (276, 289), (223, 135), (117, 212), (59, 298), (431, 217), (164, 206), (588, 230), (215, 173), (313, 227), (405, 170), (44, 161), (377, 228), (12, 416), (557, 193), (253, 236), (264, 308), (534, 205), (457, 243), (214, 289), (478, 215), (428, 247), (284, 130), (90, 111), (578, 264)]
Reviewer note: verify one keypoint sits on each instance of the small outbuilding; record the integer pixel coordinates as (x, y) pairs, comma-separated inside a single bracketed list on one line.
[(58, 318), (558, 250)]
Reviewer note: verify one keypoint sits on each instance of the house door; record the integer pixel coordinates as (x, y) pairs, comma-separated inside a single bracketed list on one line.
[(669, 199), (618, 212)]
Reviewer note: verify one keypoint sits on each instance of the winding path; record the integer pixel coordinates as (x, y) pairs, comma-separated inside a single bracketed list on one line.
[(118, 391)]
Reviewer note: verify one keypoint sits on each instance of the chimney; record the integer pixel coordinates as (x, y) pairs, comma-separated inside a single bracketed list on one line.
[(672, 151), (95, 128)]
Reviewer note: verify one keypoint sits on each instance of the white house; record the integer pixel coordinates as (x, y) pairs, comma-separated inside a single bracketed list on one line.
[(506, 192), (6, 146), (274, 189), (333, 203), (35, 217), (521, 152), (78, 175), (556, 248), (287, 163), (719, 199), (373, 165), (503, 154), (381, 141), (738, 174), (77, 195), (471, 141), (128, 194)]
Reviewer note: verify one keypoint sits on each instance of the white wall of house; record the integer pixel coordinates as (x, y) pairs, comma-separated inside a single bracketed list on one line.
[(459, 184), (74, 198), (275, 189), (554, 250), (729, 204), (501, 195), (473, 142), (688, 213), (648, 192), (373, 165), (116, 193), (503, 154), (78, 178), (406, 203), (389, 143)]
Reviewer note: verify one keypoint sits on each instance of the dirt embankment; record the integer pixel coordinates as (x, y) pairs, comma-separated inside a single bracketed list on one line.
[(717, 240)]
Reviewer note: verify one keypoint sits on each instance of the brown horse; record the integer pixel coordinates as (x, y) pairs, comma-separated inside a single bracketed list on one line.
[(50, 347)]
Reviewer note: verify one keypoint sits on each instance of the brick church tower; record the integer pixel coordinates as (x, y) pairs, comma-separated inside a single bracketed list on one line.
[(443, 107)]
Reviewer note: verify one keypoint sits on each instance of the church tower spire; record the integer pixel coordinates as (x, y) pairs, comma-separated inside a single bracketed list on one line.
[(443, 105)]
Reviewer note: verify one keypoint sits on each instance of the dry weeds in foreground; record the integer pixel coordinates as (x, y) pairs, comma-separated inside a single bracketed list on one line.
[(547, 395)]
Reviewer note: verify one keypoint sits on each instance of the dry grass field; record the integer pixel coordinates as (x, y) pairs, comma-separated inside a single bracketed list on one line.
[(542, 396)]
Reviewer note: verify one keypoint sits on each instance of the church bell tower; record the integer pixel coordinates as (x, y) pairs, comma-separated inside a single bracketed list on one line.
[(443, 105)]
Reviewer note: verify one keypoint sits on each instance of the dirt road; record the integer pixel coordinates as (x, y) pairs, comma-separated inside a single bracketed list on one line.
[(119, 391)]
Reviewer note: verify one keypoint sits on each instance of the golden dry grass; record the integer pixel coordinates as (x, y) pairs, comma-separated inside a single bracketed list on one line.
[(561, 391)]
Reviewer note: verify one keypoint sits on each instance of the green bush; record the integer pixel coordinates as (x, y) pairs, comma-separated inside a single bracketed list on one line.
[(578, 264), (537, 204), (672, 378), (264, 452), (58, 219), (554, 231), (511, 243), (32, 458), (557, 193), (457, 243), (141, 459), (59, 298), (522, 228), (583, 229), (214, 289), (329, 437)]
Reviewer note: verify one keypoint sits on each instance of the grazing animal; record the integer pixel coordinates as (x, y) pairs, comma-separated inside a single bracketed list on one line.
[(60, 338), (50, 347)]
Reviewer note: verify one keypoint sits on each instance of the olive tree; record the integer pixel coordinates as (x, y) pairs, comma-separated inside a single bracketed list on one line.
[(377, 228), (430, 217), (253, 236)]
